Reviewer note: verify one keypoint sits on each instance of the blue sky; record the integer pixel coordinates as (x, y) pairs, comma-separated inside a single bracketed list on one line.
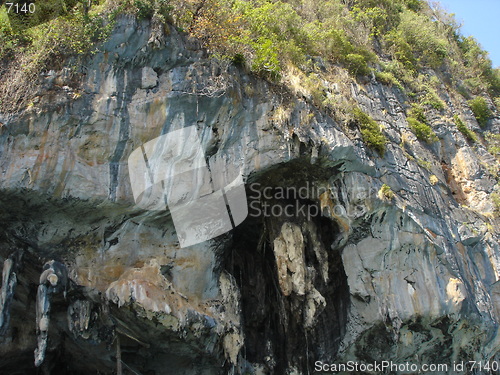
[(480, 18)]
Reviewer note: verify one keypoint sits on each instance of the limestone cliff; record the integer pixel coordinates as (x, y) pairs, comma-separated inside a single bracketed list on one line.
[(347, 273)]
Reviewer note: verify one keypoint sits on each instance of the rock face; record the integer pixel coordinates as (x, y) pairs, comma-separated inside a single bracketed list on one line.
[(322, 269)]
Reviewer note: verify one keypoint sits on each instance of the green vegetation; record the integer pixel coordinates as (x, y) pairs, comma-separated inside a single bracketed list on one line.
[(356, 64), (418, 124), (370, 131), (60, 30), (72, 32), (495, 198), (270, 35), (432, 99), (386, 192), (387, 78), (35, 49), (481, 110), (315, 87), (417, 40), (417, 112), (424, 163), (493, 142), (469, 134), (423, 131), (481, 77), (497, 103)]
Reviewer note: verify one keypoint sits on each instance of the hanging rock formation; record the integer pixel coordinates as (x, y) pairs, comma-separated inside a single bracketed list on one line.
[(54, 279), (11, 266)]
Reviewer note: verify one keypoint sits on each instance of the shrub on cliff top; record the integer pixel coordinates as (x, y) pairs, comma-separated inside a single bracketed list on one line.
[(45, 46)]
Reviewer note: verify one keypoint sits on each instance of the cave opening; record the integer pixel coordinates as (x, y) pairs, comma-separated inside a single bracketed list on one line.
[(277, 332)]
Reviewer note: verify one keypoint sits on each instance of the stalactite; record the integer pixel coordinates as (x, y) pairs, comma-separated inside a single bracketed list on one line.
[(9, 282), (79, 316), (52, 280), (42, 322)]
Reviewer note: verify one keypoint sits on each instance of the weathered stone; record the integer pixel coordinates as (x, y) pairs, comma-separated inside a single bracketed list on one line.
[(149, 78)]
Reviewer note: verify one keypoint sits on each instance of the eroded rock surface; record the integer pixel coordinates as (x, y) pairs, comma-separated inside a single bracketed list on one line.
[(337, 273)]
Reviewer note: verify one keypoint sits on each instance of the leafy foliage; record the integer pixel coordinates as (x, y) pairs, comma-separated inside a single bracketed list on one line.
[(481, 110), (144, 9), (423, 131), (495, 198), (387, 78), (418, 124), (356, 64), (370, 131), (482, 75), (493, 142), (469, 134), (270, 34), (428, 45), (432, 99), (33, 49), (386, 192), (417, 112)]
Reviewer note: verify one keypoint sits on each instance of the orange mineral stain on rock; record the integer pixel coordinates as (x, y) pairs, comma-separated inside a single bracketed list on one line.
[(326, 202), (148, 288), (99, 277)]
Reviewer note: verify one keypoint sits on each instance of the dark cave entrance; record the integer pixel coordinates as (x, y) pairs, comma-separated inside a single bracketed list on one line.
[(276, 335)]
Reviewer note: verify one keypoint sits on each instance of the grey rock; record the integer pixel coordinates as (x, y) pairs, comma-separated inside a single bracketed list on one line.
[(149, 78)]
